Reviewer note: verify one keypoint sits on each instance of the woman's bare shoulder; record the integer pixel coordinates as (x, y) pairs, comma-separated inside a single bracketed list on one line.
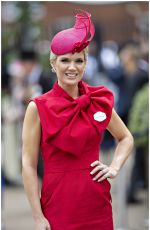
[(32, 107), (32, 111)]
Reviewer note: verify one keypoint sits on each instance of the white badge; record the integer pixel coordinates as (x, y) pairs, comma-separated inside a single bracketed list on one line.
[(99, 116)]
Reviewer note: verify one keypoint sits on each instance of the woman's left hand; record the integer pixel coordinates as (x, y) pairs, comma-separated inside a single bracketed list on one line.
[(102, 171)]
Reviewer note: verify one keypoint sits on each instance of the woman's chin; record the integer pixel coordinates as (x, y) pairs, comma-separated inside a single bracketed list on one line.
[(71, 81)]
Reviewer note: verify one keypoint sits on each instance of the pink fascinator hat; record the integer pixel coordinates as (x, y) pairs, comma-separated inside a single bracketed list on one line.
[(76, 38)]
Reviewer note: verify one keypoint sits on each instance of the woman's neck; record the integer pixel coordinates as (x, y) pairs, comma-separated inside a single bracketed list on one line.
[(72, 90)]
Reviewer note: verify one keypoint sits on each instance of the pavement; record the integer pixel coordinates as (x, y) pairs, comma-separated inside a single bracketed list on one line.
[(16, 213)]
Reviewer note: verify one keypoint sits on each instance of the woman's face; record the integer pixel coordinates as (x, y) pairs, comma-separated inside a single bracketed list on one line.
[(69, 68)]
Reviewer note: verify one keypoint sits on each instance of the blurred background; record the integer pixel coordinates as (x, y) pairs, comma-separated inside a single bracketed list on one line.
[(118, 58)]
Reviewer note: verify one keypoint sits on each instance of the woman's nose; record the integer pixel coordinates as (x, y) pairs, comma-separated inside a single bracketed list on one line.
[(71, 65)]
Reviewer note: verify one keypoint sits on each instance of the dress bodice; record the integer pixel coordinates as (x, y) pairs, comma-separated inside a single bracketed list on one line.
[(73, 127)]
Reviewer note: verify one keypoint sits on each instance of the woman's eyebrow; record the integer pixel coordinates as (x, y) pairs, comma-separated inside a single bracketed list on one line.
[(79, 59), (64, 58)]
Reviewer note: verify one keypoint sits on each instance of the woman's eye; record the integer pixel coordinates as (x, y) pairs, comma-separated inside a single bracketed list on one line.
[(65, 60), (79, 61)]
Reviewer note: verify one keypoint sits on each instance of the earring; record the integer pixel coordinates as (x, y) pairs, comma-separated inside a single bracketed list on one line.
[(53, 70)]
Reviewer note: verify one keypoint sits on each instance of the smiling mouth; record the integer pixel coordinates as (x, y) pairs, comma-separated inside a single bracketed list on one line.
[(71, 75)]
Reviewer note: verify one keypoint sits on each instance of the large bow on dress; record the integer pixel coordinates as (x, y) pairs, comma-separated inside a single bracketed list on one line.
[(66, 122)]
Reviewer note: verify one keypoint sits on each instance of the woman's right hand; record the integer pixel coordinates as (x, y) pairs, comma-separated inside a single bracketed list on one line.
[(42, 224)]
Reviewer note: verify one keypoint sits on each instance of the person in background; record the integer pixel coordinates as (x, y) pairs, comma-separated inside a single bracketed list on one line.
[(92, 65), (138, 123), (12, 118), (35, 75), (134, 78), (67, 123)]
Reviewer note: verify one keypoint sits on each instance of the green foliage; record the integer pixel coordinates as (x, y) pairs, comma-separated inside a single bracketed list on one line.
[(139, 117)]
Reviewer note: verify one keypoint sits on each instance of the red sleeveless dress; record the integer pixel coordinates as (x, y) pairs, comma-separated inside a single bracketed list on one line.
[(71, 134)]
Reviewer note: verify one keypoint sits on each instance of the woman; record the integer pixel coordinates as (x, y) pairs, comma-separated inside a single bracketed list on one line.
[(67, 123)]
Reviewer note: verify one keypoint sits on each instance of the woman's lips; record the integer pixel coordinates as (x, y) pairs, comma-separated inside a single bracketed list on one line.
[(71, 75)]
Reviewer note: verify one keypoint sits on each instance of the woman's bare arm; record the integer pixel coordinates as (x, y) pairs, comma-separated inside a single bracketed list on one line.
[(124, 138), (31, 141), (124, 147)]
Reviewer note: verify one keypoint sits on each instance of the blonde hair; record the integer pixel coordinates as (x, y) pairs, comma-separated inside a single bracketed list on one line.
[(53, 56)]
